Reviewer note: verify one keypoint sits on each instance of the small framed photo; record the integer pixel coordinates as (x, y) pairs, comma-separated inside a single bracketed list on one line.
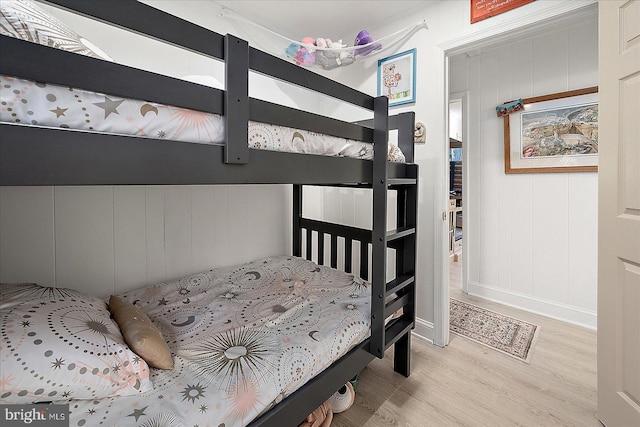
[(397, 78), (553, 133)]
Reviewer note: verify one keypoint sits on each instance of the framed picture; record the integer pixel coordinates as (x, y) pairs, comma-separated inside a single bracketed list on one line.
[(397, 77), (483, 9), (553, 133)]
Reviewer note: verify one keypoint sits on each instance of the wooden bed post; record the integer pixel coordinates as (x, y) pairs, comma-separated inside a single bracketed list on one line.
[(379, 233), (406, 126), (297, 214), (236, 100)]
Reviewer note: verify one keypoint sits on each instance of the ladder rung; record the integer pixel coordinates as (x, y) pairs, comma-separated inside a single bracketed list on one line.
[(400, 283), (395, 305), (400, 233), (396, 329), (401, 181)]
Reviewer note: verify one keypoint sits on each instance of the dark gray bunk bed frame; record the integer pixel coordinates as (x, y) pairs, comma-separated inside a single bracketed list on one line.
[(46, 156)]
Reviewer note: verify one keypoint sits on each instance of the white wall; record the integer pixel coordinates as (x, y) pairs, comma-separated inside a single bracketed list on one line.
[(455, 120), (533, 237), (114, 238), (449, 30)]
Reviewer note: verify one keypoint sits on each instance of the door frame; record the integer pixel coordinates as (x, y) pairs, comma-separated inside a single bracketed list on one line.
[(463, 97), (485, 37)]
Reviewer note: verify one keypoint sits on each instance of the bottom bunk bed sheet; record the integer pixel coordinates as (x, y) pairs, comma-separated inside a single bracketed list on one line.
[(243, 338), (42, 104)]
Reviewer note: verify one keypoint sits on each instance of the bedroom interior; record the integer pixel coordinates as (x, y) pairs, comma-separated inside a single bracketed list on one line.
[(256, 308), (107, 227)]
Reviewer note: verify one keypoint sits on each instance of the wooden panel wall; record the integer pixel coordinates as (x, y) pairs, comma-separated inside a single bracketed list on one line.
[(110, 239), (532, 237)]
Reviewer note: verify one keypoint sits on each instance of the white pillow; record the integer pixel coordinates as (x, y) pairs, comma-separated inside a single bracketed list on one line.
[(58, 344)]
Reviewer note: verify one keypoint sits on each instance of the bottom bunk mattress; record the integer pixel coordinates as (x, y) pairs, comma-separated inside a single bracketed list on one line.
[(242, 339), (43, 104)]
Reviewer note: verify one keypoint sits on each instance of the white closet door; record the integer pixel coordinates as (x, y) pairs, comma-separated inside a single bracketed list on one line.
[(619, 215)]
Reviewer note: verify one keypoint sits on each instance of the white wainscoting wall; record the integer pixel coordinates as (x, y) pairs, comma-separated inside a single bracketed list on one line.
[(532, 237), (110, 239)]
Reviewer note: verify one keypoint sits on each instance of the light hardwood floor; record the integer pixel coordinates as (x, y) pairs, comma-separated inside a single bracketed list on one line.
[(467, 384)]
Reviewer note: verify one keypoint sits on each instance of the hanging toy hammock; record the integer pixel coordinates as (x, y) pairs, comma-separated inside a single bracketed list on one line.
[(327, 54)]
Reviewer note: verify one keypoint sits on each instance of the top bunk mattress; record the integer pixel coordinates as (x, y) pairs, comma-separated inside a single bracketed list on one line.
[(26, 102)]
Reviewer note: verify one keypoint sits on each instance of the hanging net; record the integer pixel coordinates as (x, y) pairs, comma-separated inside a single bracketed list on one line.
[(327, 54)]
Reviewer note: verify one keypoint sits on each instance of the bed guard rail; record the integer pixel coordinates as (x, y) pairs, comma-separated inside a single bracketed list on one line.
[(239, 58)]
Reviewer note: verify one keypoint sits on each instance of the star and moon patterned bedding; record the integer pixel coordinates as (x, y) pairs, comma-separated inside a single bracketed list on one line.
[(242, 339), (42, 104)]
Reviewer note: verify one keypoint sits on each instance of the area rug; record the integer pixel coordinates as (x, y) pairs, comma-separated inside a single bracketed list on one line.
[(503, 333)]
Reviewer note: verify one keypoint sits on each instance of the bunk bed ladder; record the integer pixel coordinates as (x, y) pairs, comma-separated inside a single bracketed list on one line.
[(399, 293), (388, 298)]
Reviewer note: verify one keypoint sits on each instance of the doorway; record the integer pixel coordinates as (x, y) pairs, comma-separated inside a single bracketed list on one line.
[(456, 166)]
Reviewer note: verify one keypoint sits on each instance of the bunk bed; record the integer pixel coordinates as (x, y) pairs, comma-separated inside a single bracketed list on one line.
[(47, 156)]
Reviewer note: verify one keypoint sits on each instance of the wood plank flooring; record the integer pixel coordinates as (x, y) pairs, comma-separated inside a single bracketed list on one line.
[(467, 384)]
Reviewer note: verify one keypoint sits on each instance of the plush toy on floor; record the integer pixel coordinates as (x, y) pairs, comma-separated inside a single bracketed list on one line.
[(342, 399), (321, 417)]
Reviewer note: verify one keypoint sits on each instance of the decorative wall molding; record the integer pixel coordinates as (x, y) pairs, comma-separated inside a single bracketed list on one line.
[(552, 16), (563, 312), (424, 330)]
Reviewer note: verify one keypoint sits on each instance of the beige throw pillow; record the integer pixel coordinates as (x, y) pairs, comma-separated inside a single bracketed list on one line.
[(142, 336)]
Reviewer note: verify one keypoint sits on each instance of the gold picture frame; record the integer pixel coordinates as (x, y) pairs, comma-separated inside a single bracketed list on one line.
[(553, 133)]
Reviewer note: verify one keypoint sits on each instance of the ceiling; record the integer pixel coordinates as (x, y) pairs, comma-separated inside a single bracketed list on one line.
[(330, 19)]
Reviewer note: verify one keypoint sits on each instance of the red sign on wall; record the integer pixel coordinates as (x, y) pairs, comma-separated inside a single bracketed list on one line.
[(483, 9)]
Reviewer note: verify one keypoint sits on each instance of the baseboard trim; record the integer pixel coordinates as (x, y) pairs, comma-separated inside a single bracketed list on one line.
[(563, 312), (424, 331)]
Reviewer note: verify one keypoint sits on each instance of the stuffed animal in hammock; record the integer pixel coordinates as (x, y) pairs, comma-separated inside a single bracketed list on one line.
[(302, 53), (365, 40), (330, 59)]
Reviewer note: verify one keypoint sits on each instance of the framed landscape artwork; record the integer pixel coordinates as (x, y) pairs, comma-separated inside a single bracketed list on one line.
[(553, 133)]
